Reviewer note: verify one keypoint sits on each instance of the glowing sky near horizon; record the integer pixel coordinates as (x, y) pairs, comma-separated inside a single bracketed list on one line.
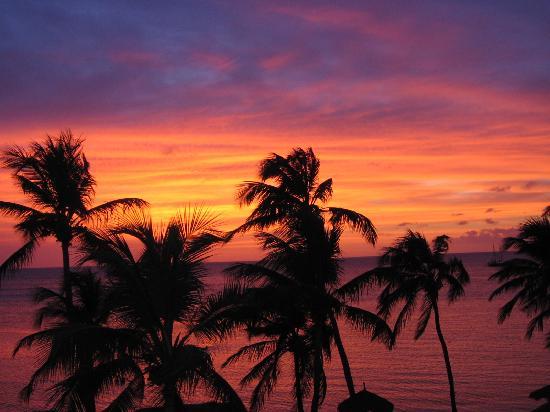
[(432, 115)]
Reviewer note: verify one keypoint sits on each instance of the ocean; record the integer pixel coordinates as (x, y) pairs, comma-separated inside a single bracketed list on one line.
[(494, 366)]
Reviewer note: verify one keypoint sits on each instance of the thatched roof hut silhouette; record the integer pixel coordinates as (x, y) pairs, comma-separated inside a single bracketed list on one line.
[(365, 401)]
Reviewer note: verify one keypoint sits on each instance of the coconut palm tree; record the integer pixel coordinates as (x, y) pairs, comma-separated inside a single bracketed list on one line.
[(157, 291), (546, 212), (291, 299), (82, 358), (289, 196), (273, 319), (55, 177), (413, 272), (527, 275)]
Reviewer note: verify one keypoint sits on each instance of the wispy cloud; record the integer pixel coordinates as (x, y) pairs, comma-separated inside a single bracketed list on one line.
[(179, 103)]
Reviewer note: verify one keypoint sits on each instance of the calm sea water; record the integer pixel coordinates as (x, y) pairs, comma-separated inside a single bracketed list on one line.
[(495, 368)]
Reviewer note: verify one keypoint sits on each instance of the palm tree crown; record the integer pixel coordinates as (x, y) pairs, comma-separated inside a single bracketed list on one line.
[(290, 194), (527, 275), (83, 358), (158, 292), (55, 176)]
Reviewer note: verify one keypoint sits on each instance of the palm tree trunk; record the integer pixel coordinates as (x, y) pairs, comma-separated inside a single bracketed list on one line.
[(87, 396), (343, 356), (67, 286), (446, 356), (317, 371), (88, 400), (298, 383), (172, 400), (316, 399)]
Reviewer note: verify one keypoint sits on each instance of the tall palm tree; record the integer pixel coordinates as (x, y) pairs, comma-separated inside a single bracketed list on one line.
[(414, 272), (527, 275), (55, 176), (290, 196), (546, 212), (157, 291), (291, 298), (82, 357)]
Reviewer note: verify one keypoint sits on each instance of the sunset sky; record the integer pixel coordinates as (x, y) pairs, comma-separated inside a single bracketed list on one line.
[(429, 115)]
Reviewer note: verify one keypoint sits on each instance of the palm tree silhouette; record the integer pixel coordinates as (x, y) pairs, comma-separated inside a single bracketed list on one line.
[(527, 274), (158, 292), (87, 358), (292, 298), (55, 176), (295, 196), (546, 212), (289, 196), (412, 271), (270, 318)]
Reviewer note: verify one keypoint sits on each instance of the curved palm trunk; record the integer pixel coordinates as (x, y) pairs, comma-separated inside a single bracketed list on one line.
[(446, 356), (343, 356), (67, 287), (298, 383)]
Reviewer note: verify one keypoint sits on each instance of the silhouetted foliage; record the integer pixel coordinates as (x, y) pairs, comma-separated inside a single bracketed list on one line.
[(55, 177), (157, 293), (289, 194), (527, 275), (81, 358), (301, 269), (106, 339), (412, 272)]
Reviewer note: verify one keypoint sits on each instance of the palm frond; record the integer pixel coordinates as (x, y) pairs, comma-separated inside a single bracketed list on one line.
[(19, 259), (105, 210), (221, 390), (537, 323), (16, 210), (424, 318), (355, 287), (356, 221), (221, 313), (369, 322), (129, 399), (323, 192), (251, 352)]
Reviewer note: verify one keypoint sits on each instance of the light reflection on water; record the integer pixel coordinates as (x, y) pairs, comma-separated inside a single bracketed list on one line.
[(495, 368)]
